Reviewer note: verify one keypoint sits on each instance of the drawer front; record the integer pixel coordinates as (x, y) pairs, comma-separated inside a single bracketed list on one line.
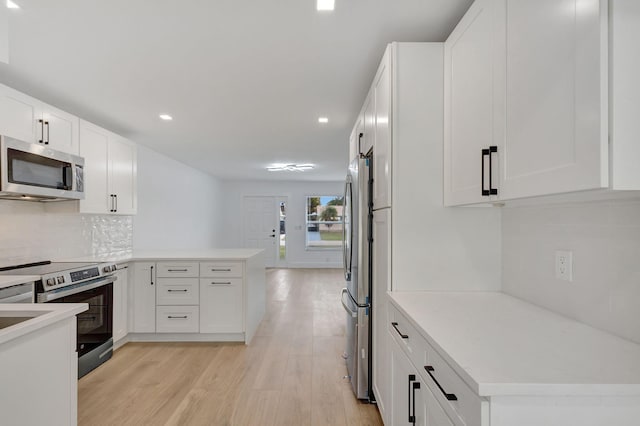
[(443, 380), (221, 269), (407, 336), (177, 291), (177, 319), (177, 269)]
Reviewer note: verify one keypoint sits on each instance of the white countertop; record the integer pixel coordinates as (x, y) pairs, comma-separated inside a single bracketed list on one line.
[(50, 313), (203, 254), (500, 345), (9, 280)]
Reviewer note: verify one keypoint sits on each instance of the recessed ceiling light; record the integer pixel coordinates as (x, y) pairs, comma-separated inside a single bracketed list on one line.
[(166, 117), (12, 5), (289, 167), (325, 4), (323, 120)]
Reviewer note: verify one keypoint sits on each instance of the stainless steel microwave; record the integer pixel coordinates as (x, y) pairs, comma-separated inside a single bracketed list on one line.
[(34, 172)]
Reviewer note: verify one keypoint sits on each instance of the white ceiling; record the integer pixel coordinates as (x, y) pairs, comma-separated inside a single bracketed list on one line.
[(245, 80)]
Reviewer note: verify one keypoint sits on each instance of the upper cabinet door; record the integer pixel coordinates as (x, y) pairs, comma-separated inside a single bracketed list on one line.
[(556, 97), (20, 115), (123, 175), (95, 149), (369, 119), (382, 140), (61, 130), (473, 106)]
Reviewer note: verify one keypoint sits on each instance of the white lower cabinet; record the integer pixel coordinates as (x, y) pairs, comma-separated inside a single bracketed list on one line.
[(142, 312), (413, 402), (422, 382), (221, 305), (207, 297), (120, 304)]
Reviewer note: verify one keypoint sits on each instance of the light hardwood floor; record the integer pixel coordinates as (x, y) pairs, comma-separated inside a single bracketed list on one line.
[(290, 374)]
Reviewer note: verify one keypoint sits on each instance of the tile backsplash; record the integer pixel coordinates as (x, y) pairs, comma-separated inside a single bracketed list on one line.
[(605, 240), (29, 233)]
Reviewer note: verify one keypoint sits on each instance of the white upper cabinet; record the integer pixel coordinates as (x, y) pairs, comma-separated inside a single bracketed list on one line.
[(123, 175), (25, 118), (382, 140), (540, 94), (110, 172), (61, 129), (473, 118), (556, 90), (369, 123)]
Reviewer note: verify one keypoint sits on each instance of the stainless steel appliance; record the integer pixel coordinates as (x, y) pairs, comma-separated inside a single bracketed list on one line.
[(21, 292), (90, 283), (356, 297), (34, 172)]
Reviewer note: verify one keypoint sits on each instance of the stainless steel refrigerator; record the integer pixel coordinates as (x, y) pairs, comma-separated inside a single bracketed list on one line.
[(356, 297)]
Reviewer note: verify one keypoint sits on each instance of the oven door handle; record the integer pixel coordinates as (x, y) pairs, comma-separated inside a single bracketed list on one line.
[(63, 292)]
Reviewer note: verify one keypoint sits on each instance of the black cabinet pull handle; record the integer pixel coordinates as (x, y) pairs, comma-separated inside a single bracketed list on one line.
[(220, 283), (113, 206), (492, 190), (485, 153), (412, 378), (180, 317), (152, 275), (449, 396), (178, 291), (116, 197), (395, 325), (220, 270), (412, 415), (46, 142), (177, 270), (360, 135), (41, 131)]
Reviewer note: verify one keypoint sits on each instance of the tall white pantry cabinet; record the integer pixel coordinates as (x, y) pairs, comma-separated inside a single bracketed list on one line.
[(417, 243)]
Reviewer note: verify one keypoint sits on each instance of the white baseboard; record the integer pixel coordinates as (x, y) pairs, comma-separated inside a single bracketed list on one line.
[(185, 337)]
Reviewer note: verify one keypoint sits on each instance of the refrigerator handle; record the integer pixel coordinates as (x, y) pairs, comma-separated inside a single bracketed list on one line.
[(344, 305), (346, 248)]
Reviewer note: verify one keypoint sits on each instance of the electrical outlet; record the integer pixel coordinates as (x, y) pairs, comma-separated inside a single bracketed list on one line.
[(564, 265)]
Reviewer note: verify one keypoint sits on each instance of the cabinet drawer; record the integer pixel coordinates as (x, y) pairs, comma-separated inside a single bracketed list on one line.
[(177, 319), (177, 291), (177, 269), (442, 380), (221, 269), (407, 336)]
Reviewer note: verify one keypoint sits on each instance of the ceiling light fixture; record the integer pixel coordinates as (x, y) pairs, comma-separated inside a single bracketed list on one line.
[(12, 5), (166, 117), (325, 4), (323, 120), (290, 167)]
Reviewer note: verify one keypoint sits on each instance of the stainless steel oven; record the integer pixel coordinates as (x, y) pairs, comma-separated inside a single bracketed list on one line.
[(90, 283)]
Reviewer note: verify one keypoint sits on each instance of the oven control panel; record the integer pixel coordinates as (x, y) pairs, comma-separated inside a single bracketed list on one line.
[(56, 280), (84, 274)]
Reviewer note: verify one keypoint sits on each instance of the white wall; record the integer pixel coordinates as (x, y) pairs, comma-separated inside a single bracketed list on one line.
[(178, 207), (296, 192), (605, 240)]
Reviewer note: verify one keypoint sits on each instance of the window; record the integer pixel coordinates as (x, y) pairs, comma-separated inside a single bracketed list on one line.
[(324, 221)]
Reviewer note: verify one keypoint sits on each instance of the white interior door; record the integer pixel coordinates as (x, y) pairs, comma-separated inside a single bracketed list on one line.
[(262, 226)]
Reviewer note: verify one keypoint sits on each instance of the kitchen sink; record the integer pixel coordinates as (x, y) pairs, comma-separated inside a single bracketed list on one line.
[(7, 319)]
